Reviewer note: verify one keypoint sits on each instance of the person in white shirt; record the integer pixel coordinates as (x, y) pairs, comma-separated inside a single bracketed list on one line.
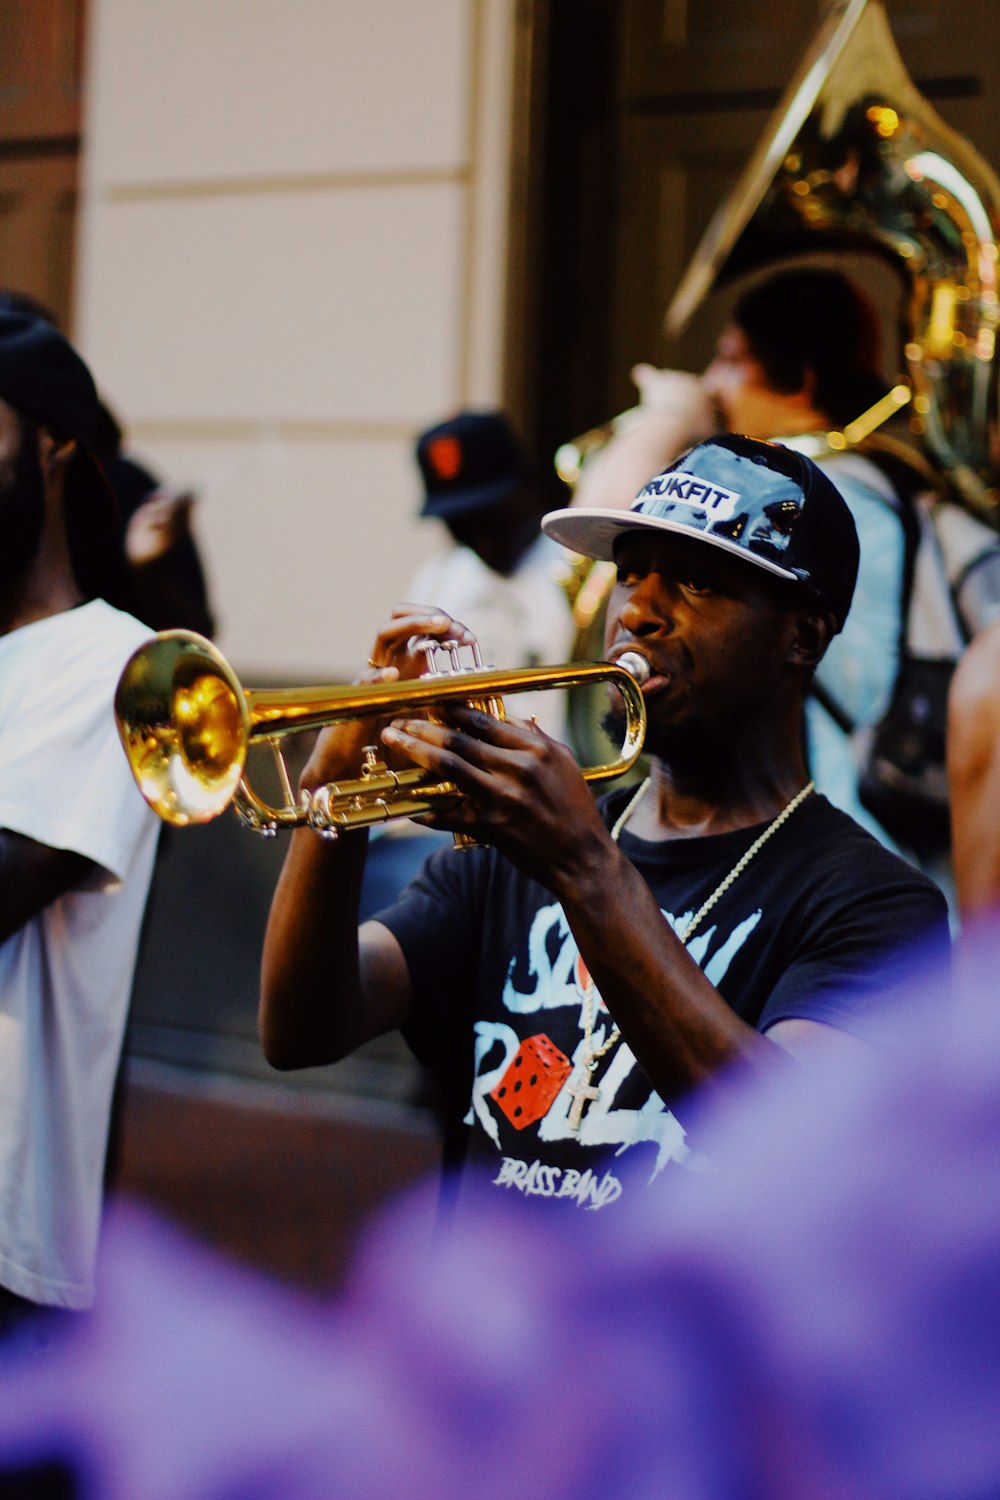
[(76, 839), (501, 576)]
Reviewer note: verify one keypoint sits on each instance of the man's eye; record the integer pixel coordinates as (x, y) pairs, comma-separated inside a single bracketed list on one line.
[(695, 584), (626, 574)]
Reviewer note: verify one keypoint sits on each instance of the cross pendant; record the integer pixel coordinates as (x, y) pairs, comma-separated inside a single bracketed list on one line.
[(583, 1093)]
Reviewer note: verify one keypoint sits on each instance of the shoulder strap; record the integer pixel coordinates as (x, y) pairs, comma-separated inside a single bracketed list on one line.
[(964, 539), (935, 627), (970, 547), (905, 480), (937, 549), (909, 476), (843, 720)]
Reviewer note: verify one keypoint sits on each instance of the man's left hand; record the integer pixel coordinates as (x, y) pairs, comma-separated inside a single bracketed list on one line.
[(522, 791)]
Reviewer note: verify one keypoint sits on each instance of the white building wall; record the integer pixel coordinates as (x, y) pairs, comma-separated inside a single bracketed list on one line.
[(292, 258)]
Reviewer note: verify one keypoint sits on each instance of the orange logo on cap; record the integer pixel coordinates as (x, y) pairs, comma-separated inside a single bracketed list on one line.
[(444, 455)]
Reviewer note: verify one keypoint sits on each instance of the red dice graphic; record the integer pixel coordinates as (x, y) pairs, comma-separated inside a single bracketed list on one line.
[(536, 1073)]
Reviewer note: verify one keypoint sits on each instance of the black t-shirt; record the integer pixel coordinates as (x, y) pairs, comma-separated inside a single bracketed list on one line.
[(808, 931)]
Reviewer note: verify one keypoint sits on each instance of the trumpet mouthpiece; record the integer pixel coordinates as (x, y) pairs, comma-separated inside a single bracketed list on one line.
[(637, 665)]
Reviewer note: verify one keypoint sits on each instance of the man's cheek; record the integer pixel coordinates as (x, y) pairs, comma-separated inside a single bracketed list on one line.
[(612, 629)]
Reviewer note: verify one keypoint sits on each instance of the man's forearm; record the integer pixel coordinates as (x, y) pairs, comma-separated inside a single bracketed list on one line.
[(32, 876), (678, 1026), (311, 1000)]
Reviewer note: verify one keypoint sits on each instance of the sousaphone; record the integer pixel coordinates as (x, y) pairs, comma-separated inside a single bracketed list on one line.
[(855, 157)]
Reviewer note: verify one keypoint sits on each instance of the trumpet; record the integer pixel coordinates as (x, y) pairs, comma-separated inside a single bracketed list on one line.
[(186, 725)]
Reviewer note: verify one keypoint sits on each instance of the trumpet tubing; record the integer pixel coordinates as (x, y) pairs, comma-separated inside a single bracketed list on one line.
[(186, 725)]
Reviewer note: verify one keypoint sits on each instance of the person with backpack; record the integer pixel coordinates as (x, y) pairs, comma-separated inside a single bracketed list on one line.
[(802, 354), (799, 359)]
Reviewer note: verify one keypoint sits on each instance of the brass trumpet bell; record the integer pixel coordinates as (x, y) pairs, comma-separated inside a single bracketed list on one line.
[(186, 725), (184, 722)]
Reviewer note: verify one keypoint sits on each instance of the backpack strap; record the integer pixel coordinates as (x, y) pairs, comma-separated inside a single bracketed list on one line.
[(843, 720), (971, 551), (942, 542), (904, 482), (967, 542), (936, 629)]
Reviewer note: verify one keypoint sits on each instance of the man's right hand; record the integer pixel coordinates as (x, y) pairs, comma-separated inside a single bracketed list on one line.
[(674, 411)]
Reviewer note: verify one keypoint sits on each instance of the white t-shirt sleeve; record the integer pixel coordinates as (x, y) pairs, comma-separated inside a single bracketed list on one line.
[(64, 778)]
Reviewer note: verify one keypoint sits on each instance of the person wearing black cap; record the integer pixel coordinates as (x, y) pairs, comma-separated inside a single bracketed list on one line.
[(573, 979), (76, 840), (147, 563), (500, 577)]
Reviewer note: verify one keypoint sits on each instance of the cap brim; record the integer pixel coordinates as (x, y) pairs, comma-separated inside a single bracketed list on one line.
[(593, 533), (464, 502)]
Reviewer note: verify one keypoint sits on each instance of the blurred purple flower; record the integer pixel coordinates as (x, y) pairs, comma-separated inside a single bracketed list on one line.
[(816, 1317)]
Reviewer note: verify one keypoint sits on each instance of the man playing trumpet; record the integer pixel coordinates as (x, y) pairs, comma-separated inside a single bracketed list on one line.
[(591, 964)]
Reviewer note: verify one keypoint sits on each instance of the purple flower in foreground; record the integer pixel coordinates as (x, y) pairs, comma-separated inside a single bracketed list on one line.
[(815, 1317)]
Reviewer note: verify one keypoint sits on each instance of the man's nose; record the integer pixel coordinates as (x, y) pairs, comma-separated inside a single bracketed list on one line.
[(647, 608)]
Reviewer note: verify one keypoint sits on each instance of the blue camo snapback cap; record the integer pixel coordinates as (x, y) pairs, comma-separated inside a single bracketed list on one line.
[(760, 501)]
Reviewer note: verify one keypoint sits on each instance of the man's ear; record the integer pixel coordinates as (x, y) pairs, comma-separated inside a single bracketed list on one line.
[(805, 396), (55, 452), (810, 639)]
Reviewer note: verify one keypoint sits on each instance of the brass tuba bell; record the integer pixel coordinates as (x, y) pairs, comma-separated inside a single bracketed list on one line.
[(855, 157)]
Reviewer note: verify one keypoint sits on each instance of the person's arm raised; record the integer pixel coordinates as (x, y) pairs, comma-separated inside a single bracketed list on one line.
[(326, 987)]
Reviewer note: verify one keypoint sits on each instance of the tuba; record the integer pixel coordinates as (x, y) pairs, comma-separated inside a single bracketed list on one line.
[(855, 158)]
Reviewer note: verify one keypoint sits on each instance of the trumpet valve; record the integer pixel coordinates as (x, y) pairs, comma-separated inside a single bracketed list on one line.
[(316, 806), (371, 765), (453, 651)]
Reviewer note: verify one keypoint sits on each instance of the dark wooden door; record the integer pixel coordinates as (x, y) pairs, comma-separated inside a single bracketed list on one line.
[(41, 52), (648, 111)]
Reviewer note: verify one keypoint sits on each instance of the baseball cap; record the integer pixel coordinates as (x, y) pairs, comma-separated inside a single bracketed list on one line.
[(42, 376), (470, 462), (762, 502)]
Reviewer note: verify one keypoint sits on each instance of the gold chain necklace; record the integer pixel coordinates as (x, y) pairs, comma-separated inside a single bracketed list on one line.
[(584, 1092)]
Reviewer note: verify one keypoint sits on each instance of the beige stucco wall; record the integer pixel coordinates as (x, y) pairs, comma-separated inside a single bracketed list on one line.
[(292, 257)]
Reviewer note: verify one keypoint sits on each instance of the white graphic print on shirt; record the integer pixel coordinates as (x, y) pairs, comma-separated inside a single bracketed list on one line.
[(556, 979)]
